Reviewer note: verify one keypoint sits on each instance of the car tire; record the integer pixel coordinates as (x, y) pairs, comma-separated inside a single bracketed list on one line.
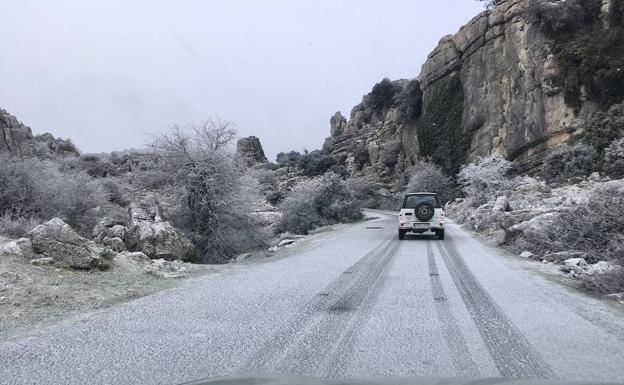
[(440, 234), (401, 235), (424, 211)]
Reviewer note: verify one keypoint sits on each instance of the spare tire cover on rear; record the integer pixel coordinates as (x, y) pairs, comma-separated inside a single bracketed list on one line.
[(424, 211)]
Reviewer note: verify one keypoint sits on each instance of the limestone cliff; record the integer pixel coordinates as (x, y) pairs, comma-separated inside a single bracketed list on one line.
[(494, 86)]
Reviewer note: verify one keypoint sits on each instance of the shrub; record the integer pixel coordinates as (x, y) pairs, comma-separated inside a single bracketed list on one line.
[(97, 167), (485, 179), (288, 159), (17, 226), (605, 127), (560, 17), (566, 162), (363, 192), (594, 228), (37, 188), (614, 159), (114, 192), (382, 95), (315, 163), (427, 177), (320, 201), (214, 195)]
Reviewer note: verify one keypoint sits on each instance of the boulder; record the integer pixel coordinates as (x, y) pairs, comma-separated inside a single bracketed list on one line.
[(55, 239), (156, 238), (526, 254), (116, 244), (108, 227), (21, 247)]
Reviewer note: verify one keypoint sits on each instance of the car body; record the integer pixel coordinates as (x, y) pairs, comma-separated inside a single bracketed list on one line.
[(421, 212)]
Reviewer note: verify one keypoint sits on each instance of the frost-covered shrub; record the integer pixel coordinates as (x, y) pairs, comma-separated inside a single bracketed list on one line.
[(595, 228), (428, 177), (605, 127), (563, 16), (96, 166), (364, 192), (37, 188), (114, 192), (614, 159), (320, 201), (485, 179), (215, 198), (17, 226), (566, 162)]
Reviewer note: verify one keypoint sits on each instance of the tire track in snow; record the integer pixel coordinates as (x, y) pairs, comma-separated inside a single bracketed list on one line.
[(321, 328), (460, 355), (511, 352)]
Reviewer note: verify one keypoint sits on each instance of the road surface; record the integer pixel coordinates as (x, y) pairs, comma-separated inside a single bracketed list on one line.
[(354, 303)]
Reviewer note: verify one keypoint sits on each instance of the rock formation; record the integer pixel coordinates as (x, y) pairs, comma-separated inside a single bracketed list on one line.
[(17, 139), (249, 151), (494, 86)]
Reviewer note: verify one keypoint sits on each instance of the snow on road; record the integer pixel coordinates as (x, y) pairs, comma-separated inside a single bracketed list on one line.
[(358, 303)]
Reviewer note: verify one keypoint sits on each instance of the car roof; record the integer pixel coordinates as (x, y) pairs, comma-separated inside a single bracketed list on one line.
[(421, 193)]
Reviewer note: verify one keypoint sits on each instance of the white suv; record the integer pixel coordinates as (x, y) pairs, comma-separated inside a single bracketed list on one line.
[(421, 212)]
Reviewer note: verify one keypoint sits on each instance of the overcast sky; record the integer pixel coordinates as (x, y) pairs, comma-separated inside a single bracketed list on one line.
[(104, 73)]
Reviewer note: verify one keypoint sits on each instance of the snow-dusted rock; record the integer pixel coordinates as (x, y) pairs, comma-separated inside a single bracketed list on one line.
[(615, 297), (602, 267), (56, 239), (576, 262), (20, 247), (501, 204), (285, 242), (526, 254), (116, 244), (42, 261)]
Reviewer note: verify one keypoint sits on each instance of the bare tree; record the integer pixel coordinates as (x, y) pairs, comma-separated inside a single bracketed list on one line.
[(215, 194)]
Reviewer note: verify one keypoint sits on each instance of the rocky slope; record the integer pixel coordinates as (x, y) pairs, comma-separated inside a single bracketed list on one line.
[(494, 86)]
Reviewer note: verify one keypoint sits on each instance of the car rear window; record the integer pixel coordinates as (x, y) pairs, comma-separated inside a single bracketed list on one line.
[(411, 201)]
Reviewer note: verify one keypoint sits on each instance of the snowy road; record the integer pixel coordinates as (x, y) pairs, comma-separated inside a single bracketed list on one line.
[(356, 302)]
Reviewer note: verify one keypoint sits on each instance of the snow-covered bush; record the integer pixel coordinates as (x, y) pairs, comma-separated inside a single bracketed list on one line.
[(17, 226), (485, 179), (37, 188), (566, 162), (614, 159), (216, 198), (428, 177), (363, 191), (320, 201)]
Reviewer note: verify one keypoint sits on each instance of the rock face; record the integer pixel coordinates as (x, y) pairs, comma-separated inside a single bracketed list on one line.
[(249, 151), (491, 87), (55, 239), (18, 139), (156, 238), (15, 137)]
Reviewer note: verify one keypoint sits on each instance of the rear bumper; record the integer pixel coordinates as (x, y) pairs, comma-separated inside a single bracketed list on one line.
[(412, 226)]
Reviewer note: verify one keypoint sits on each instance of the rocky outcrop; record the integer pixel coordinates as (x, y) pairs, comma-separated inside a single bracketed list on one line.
[(249, 152), (17, 139), (149, 233), (494, 86), (55, 239)]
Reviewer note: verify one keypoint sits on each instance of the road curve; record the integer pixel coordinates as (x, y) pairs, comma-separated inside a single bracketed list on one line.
[(354, 303)]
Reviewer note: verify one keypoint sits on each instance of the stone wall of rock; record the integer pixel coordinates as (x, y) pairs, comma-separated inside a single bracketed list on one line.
[(500, 66)]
